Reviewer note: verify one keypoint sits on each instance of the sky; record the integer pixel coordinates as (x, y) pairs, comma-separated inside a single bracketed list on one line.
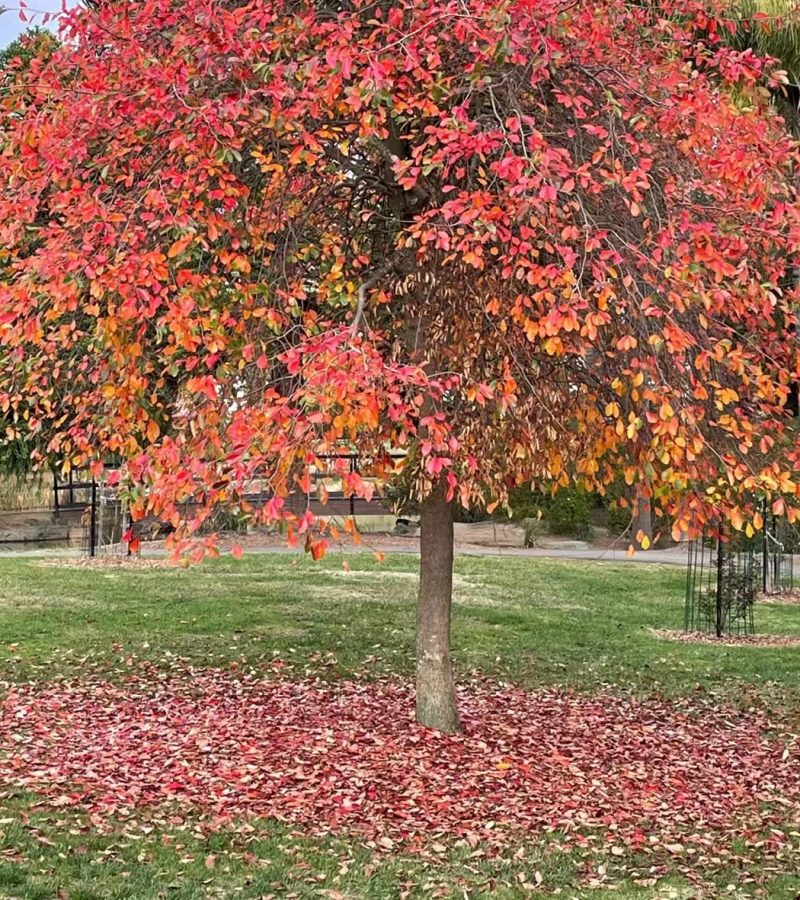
[(10, 24)]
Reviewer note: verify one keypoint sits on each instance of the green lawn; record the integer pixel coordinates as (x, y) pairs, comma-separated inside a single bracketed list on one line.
[(530, 622)]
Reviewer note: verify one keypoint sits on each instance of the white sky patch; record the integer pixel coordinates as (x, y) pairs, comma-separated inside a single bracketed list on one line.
[(12, 26)]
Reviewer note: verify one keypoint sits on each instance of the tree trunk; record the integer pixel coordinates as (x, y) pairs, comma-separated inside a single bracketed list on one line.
[(643, 517), (436, 692)]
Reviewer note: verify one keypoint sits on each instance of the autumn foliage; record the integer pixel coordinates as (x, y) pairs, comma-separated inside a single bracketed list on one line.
[(524, 241), (527, 241)]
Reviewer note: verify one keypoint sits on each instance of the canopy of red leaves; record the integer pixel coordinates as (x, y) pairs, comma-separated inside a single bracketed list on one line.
[(348, 756), (544, 241)]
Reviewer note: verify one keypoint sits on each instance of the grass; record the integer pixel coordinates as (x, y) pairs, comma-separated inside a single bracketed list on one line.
[(63, 858), (533, 622)]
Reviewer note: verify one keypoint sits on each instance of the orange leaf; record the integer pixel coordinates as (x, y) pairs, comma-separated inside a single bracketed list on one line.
[(179, 246), (318, 549)]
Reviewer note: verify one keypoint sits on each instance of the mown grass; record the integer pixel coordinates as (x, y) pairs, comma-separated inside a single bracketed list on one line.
[(577, 624), (533, 622)]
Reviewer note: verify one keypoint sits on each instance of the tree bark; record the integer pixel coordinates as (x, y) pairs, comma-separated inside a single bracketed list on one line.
[(643, 517), (436, 692)]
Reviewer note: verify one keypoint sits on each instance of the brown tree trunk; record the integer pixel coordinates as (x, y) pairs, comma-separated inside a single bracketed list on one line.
[(643, 519), (436, 691)]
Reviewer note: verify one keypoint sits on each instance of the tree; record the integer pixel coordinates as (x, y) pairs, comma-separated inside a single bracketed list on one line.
[(529, 242), (772, 28), (19, 61), (35, 43)]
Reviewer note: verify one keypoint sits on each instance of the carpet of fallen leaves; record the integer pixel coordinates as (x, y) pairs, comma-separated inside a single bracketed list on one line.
[(680, 777)]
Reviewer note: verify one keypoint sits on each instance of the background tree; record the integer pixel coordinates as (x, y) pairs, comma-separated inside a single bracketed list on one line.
[(35, 43), (770, 28), (527, 241), (19, 63)]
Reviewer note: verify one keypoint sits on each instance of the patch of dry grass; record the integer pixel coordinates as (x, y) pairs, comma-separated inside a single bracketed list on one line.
[(32, 492)]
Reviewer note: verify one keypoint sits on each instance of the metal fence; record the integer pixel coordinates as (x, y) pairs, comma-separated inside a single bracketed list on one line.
[(728, 571), (721, 586), (106, 519)]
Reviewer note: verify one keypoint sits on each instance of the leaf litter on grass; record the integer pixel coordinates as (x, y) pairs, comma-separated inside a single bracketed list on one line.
[(686, 780)]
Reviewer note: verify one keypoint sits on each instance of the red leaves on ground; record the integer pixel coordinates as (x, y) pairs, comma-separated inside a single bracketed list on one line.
[(348, 756)]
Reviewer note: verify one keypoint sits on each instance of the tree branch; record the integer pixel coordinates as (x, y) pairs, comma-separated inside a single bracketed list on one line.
[(365, 286)]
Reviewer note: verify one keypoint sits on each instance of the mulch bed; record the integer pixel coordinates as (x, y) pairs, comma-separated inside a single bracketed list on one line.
[(728, 640), (789, 598)]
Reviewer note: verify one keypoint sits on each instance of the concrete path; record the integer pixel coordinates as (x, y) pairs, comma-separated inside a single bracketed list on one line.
[(675, 556)]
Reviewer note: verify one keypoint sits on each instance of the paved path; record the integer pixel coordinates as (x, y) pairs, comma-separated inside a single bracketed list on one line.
[(675, 556), (494, 537), (672, 557)]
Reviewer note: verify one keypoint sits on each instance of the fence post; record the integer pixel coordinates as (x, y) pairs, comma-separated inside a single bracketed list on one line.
[(93, 522), (353, 468), (689, 605), (776, 566), (720, 570), (765, 550)]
